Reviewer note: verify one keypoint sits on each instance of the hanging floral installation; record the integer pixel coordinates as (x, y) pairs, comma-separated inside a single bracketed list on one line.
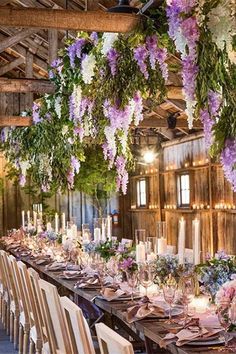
[(102, 80)]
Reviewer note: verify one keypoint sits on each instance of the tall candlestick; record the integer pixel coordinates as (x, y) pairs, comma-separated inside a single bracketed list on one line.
[(161, 245), (56, 223), (63, 221), (49, 226), (74, 231), (23, 218), (35, 218), (181, 240), (109, 227), (97, 234), (196, 241), (28, 216), (140, 253)]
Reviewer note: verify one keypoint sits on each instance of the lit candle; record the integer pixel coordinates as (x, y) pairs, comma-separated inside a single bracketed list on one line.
[(63, 221), (74, 231), (140, 253), (28, 216), (35, 218), (196, 241), (109, 227), (151, 257), (200, 303), (49, 226), (103, 236), (181, 240), (23, 218), (97, 234), (56, 223)]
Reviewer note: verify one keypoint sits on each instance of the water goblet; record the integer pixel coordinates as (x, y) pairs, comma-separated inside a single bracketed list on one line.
[(187, 287), (146, 276), (132, 280), (169, 292), (224, 311)]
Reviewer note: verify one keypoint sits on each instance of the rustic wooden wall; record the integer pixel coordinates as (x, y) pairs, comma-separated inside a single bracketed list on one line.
[(208, 189)]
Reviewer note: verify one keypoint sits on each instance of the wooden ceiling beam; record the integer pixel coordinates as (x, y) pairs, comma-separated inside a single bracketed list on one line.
[(8, 121), (18, 37), (68, 19), (154, 122), (12, 65), (26, 85)]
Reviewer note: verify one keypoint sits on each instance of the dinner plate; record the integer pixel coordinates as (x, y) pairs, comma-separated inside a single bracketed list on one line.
[(176, 311), (219, 340), (124, 297)]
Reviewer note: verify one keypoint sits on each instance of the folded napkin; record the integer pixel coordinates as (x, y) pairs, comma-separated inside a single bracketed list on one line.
[(70, 274), (110, 293), (188, 335), (92, 282), (55, 266), (142, 310)]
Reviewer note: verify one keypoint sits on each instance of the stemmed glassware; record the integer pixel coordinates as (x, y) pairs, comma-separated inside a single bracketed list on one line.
[(112, 269), (187, 287), (169, 292), (146, 276), (132, 280), (224, 316)]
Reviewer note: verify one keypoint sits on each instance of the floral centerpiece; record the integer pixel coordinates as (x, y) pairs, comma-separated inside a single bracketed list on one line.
[(106, 249), (226, 293), (215, 272)]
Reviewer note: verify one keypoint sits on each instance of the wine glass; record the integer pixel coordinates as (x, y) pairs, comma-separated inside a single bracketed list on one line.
[(146, 276), (132, 280), (169, 292), (224, 312), (187, 287), (112, 269)]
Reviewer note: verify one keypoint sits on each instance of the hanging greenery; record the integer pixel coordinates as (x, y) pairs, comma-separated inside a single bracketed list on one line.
[(80, 136)]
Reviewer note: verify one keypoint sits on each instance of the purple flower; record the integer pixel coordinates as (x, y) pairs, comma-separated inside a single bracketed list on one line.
[(70, 178), (214, 101), (112, 57), (138, 108), (208, 123), (94, 37), (75, 163), (189, 74), (228, 160), (141, 55), (190, 31), (126, 264), (22, 180), (45, 187), (75, 50), (79, 131), (36, 113)]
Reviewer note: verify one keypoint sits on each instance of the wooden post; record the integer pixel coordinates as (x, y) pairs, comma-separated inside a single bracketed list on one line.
[(29, 75), (52, 45)]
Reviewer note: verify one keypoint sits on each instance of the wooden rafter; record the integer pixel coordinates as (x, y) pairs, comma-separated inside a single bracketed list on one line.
[(10, 66), (26, 85), (68, 19), (7, 121), (19, 36)]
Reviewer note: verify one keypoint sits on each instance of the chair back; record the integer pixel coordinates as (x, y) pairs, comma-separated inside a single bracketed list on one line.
[(79, 331), (30, 299), (20, 290), (55, 318), (10, 279), (111, 342)]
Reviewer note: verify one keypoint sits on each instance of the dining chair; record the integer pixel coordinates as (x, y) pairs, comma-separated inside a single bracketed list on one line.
[(37, 295), (13, 311), (79, 331), (111, 342), (24, 318), (4, 291), (36, 336), (56, 321)]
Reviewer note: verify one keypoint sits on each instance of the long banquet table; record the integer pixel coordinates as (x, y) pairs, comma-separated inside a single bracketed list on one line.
[(149, 330)]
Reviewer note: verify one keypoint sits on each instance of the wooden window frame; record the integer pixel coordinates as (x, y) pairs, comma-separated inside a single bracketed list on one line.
[(146, 192), (180, 189)]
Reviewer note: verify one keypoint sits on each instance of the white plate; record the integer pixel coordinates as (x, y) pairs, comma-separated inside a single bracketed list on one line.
[(219, 340)]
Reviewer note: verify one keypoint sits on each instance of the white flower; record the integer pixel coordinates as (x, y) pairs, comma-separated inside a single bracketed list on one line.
[(77, 96), (108, 41), (24, 166), (23, 114), (190, 107), (57, 106), (64, 129), (87, 67)]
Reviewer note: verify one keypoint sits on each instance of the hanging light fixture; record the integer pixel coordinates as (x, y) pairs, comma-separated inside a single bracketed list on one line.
[(123, 7)]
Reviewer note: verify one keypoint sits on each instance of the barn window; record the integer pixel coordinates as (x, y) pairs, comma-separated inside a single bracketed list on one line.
[(183, 187), (142, 193)]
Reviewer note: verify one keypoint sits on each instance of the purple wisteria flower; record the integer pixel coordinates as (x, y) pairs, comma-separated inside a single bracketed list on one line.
[(141, 55), (138, 108), (112, 57), (190, 31), (157, 54), (94, 37), (22, 180), (36, 113), (70, 178), (79, 131), (228, 160), (127, 264), (189, 74), (75, 50), (75, 164), (45, 187)]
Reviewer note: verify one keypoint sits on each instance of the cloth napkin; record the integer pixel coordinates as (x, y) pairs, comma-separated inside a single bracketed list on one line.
[(110, 293), (56, 266), (142, 310), (188, 335), (92, 282), (70, 274)]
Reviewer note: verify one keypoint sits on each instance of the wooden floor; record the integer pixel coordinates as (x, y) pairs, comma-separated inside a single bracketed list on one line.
[(6, 347)]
